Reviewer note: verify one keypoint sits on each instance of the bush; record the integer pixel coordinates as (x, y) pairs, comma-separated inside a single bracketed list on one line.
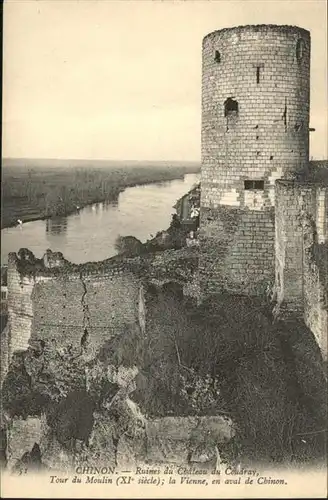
[(19, 398), (73, 418), (128, 246)]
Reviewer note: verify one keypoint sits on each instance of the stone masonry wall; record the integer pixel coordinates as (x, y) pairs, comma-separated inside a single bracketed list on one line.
[(315, 270), (289, 247), (60, 307), (21, 436), (57, 308), (4, 350), (301, 281), (237, 251), (269, 136), (20, 309), (64, 308)]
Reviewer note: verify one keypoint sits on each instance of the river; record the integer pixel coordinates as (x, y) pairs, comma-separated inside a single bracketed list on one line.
[(90, 234)]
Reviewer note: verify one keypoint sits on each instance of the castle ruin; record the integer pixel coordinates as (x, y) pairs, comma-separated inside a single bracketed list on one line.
[(255, 135), (263, 215)]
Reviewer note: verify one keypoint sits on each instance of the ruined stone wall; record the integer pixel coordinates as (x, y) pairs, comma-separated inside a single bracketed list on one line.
[(237, 251), (62, 311), (301, 281), (4, 350), (315, 258), (21, 436), (63, 308), (20, 309), (19, 306), (58, 307), (261, 134), (289, 245)]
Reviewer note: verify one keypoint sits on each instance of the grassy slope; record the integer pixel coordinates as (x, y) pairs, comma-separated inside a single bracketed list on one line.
[(270, 374)]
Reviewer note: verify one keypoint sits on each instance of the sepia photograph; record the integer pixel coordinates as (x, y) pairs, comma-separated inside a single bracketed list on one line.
[(164, 249)]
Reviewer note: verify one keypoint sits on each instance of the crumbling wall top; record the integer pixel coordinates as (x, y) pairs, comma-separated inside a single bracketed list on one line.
[(54, 265), (302, 183), (255, 28)]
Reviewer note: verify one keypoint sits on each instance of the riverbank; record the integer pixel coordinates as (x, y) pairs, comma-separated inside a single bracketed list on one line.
[(42, 193), (10, 220)]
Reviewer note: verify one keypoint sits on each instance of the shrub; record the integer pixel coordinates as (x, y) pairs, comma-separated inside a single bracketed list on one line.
[(129, 246), (19, 398), (72, 418)]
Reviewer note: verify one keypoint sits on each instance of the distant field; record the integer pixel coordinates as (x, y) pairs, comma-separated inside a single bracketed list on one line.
[(35, 189)]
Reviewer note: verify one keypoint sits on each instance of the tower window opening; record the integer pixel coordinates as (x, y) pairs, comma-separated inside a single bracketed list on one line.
[(299, 49), (217, 56), (284, 115), (258, 74), (254, 185), (230, 107), (258, 68)]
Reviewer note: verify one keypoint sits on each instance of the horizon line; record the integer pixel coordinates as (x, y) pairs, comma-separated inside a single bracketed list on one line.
[(95, 159), (121, 160)]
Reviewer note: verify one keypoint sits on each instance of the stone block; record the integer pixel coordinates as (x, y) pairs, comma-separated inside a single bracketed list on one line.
[(174, 439)]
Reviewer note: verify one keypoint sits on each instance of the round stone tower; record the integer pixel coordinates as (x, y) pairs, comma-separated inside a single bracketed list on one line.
[(255, 129)]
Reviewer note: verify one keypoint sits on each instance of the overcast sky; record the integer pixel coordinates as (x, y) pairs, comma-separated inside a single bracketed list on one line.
[(122, 79)]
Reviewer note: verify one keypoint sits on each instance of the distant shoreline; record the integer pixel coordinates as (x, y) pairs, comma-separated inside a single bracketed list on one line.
[(50, 163)]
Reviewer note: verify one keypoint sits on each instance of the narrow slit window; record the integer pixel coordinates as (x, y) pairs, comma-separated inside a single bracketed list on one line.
[(258, 69), (254, 185), (217, 56)]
